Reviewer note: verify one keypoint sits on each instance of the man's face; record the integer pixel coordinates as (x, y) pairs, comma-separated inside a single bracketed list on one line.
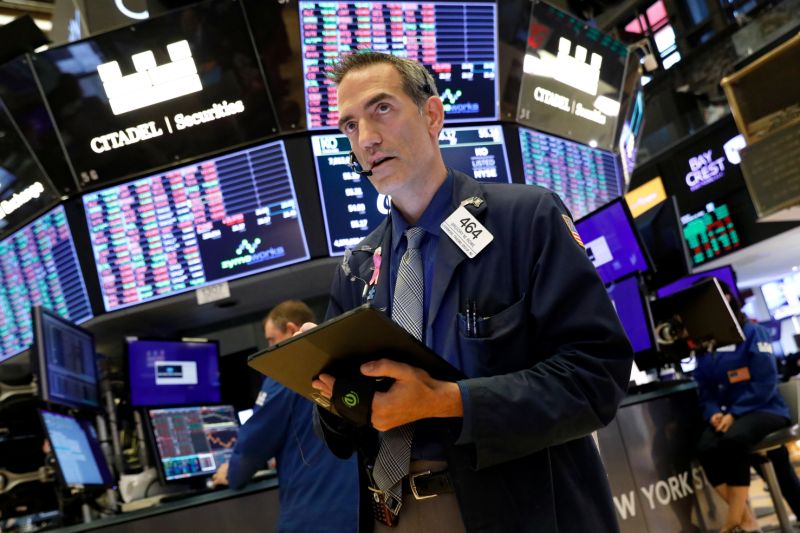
[(275, 335), (385, 128)]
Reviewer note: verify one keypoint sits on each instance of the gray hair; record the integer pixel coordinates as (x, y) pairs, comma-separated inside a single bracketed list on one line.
[(418, 83)]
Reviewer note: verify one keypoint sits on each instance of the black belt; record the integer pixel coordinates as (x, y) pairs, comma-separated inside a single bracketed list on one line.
[(427, 485)]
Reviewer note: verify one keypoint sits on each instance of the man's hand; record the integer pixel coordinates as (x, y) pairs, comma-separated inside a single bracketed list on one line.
[(725, 423), (715, 419), (414, 395), (221, 475)]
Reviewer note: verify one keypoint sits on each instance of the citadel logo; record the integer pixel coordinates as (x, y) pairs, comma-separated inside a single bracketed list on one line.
[(151, 83), (574, 71)]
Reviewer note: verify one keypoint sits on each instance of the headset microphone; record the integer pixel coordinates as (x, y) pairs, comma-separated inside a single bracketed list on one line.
[(357, 168)]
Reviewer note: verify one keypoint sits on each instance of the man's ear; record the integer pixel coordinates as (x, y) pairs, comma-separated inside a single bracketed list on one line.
[(292, 328), (434, 112)]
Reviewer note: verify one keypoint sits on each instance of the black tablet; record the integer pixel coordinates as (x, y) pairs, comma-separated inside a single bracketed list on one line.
[(340, 346)]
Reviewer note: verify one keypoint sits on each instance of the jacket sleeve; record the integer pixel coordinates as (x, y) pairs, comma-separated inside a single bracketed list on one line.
[(580, 356), (707, 391), (262, 435), (763, 383)]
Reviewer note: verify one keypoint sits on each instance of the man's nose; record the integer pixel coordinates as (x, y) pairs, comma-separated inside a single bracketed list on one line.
[(368, 135)]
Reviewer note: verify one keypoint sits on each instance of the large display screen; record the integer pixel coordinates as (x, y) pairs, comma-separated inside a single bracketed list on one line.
[(612, 242), (456, 41), (193, 441), (710, 233), (77, 450), (572, 78), (208, 222), (166, 89), (585, 178), (351, 205), (630, 304), (39, 266), (783, 296), (165, 372), (24, 187), (65, 362), (724, 273)]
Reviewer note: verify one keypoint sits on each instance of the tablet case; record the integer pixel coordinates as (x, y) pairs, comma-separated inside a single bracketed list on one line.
[(340, 346)]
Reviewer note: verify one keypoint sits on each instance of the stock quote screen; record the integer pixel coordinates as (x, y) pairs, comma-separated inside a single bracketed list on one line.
[(585, 178), (39, 266), (456, 42), (710, 233), (200, 224), (351, 205)]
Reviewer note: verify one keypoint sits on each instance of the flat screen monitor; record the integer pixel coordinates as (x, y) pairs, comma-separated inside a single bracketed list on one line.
[(171, 372), (585, 178), (39, 266), (724, 273), (192, 442), (455, 41), (80, 462), (166, 89), (710, 233), (200, 224), (572, 78), (661, 231), (634, 312), (65, 364), (351, 205), (612, 242), (783, 296)]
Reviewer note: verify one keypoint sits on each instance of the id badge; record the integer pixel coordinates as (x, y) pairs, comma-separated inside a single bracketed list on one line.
[(738, 375)]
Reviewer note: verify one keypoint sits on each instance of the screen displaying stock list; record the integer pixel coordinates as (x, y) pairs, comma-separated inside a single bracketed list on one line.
[(38, 266), (585, 178), (200, 224), (455, 41)]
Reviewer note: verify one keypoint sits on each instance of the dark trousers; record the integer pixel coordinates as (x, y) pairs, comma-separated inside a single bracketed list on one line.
[(787, 477), (726, 456)]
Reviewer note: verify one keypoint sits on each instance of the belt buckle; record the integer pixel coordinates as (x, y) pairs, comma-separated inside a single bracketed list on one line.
[(412, 481)]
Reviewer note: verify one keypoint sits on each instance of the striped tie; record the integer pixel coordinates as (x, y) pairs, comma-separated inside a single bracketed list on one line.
[(394, 454)]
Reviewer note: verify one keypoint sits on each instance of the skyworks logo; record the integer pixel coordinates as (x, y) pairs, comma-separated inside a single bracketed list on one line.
[(151, 83)]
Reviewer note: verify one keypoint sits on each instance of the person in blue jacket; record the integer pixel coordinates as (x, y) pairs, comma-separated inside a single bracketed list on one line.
[(317, 491), (738, 389), (525, 317)]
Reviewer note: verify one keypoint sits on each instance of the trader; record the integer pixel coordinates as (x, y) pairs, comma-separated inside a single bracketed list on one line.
[(495, 279), (317, 491)]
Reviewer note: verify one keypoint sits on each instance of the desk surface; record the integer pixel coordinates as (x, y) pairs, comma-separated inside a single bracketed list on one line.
[(664, 388)]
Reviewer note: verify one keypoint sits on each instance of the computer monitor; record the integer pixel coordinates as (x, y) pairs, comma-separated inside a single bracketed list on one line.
[(173, 372), (455, 41), (725, 273), (74, 443), (216, 220), (351, 205), (710, 233), (612, 242), (660, 228), (783, 296), (192, 442), (64, 364), (633, 310)]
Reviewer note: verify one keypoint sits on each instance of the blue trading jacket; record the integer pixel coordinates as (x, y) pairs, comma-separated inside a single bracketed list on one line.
[(317, 491), (759, 393), (549, 365)]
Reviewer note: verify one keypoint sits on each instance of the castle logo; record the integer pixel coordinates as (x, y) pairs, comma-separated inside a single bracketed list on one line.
[(574, 70)]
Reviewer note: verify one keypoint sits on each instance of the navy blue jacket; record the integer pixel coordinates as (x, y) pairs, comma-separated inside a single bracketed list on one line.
[(317, 491), (550, 365), (759, 393)]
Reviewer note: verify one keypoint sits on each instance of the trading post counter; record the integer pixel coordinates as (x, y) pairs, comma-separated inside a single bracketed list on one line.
[(649, 454), (254, 507)]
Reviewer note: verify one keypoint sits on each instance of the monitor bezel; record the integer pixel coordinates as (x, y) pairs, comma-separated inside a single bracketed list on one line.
[(39, 364), (126, 342), (632, 225), (94, 444), (703, 274), (643, 297), (151, 437)]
